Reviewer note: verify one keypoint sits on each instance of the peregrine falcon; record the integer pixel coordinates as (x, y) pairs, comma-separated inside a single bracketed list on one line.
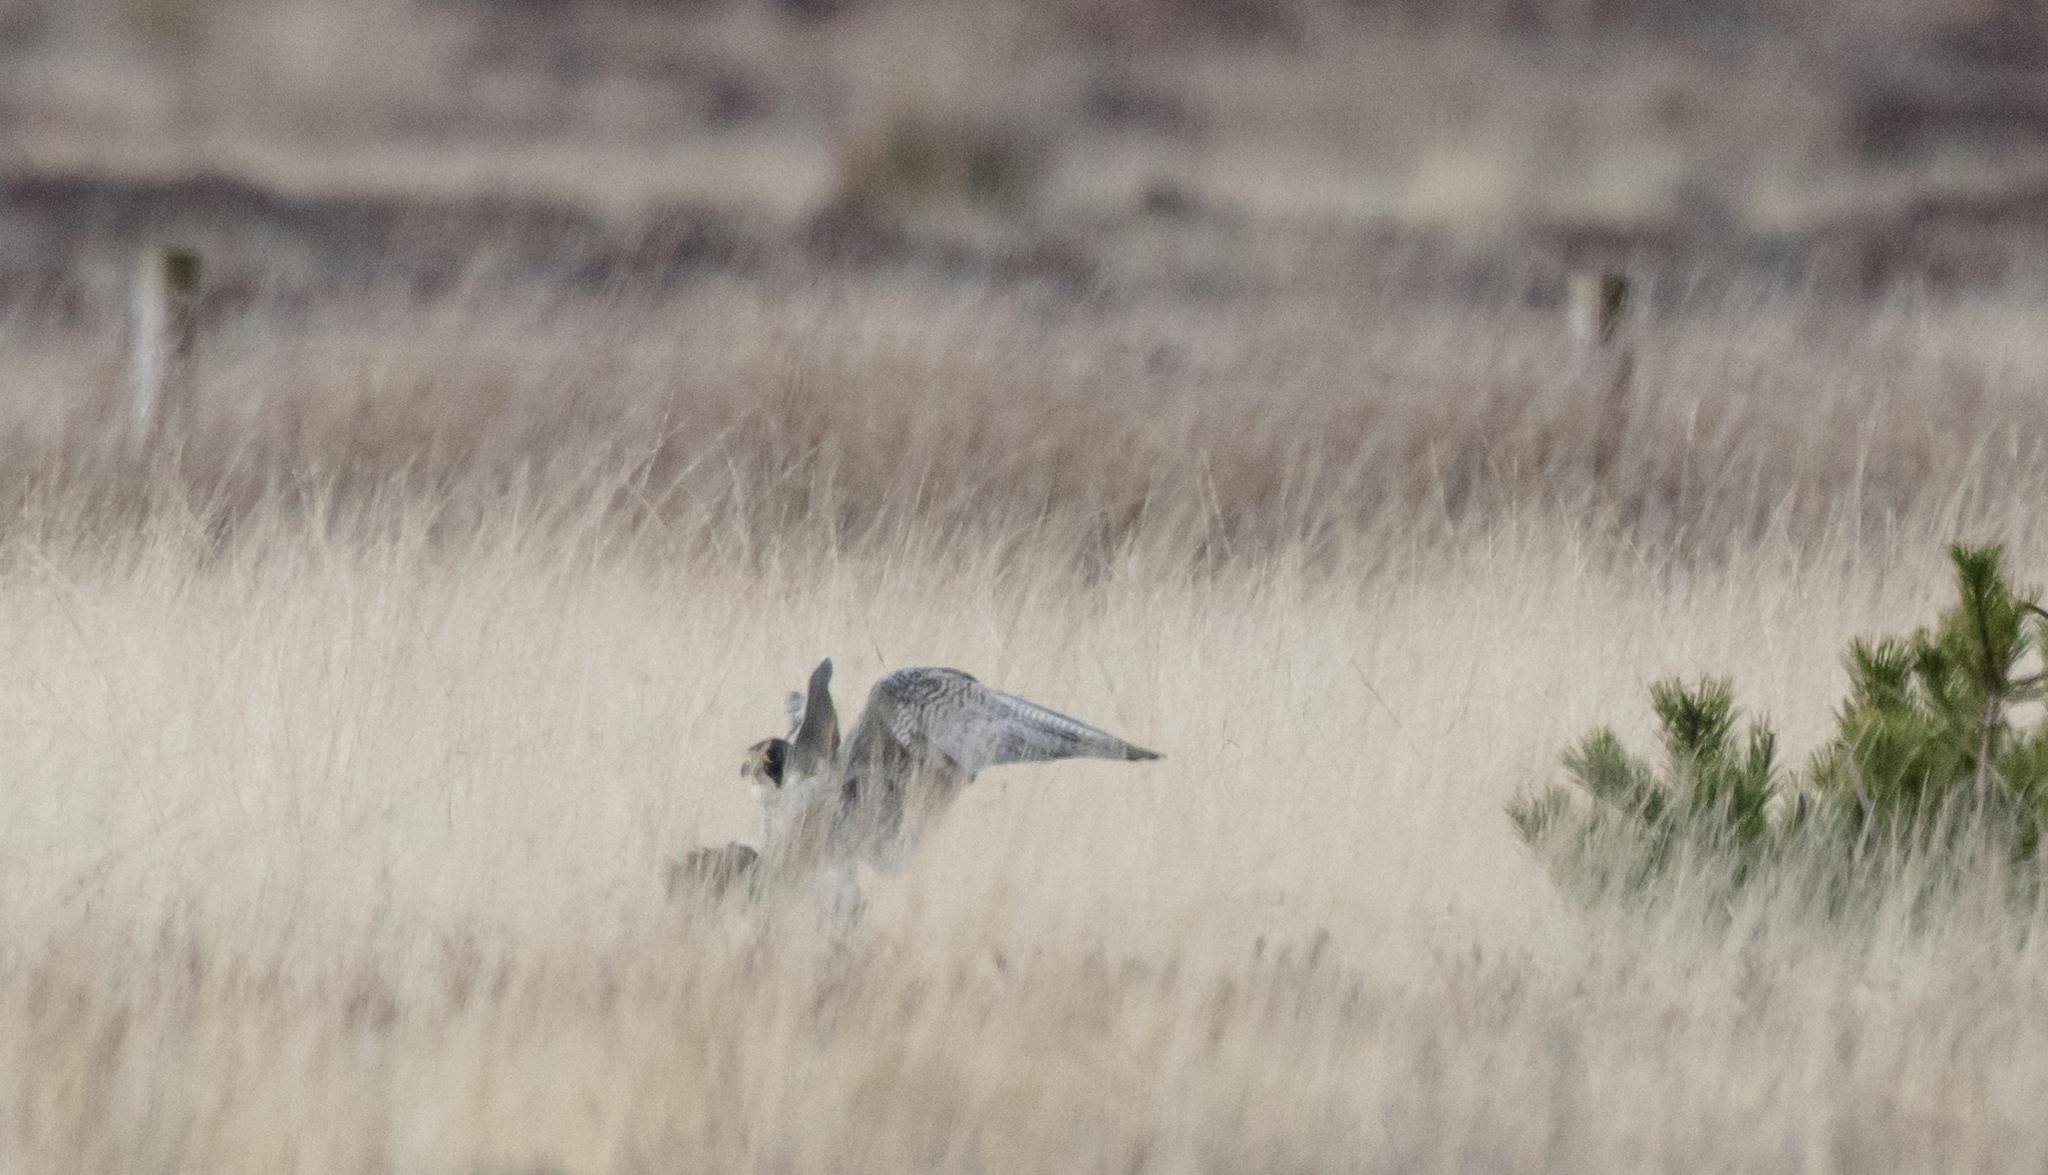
[(924, 735)]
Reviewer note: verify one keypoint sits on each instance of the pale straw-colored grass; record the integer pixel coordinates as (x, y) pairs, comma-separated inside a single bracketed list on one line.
[(339, 853), (343, 758)]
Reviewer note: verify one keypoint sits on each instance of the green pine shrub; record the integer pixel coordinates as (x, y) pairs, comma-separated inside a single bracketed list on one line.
[(1939, 752)]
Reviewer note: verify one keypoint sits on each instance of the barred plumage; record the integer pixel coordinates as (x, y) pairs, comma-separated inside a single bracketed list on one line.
[(924, 734)]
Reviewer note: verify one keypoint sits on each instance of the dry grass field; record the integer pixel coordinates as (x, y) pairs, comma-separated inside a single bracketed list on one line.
[(338, 807), (574, 376)]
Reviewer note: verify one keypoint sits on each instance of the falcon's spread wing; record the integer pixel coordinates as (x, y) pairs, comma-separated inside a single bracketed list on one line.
[(814, 748), (914, 715)]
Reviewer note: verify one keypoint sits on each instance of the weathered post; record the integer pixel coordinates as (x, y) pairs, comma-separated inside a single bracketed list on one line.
[(1596, 301), (1596, 306), (163, 338)]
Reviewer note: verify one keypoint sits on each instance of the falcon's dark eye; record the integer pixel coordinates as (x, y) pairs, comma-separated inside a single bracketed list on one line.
[(774, 759)]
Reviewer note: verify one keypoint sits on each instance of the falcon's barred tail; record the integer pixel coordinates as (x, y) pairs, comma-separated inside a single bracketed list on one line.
[(1033, 733)]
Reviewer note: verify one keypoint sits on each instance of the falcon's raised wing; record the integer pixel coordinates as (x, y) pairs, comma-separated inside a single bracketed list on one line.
[(814, 748), (915, 714)]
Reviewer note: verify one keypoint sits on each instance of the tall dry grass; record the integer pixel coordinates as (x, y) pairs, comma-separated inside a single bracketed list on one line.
[(871, 411), (346, 750), (337, 853)]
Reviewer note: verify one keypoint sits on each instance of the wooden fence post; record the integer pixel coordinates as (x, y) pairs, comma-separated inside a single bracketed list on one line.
[(1597, 300), (162, 341), (1597, 312)]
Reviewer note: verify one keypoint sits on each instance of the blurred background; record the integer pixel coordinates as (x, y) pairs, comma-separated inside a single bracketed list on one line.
[(1470, 150), (1289, 265)]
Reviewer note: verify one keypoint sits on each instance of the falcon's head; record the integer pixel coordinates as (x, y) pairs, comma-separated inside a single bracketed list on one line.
[(774, 764), (766, 766)]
